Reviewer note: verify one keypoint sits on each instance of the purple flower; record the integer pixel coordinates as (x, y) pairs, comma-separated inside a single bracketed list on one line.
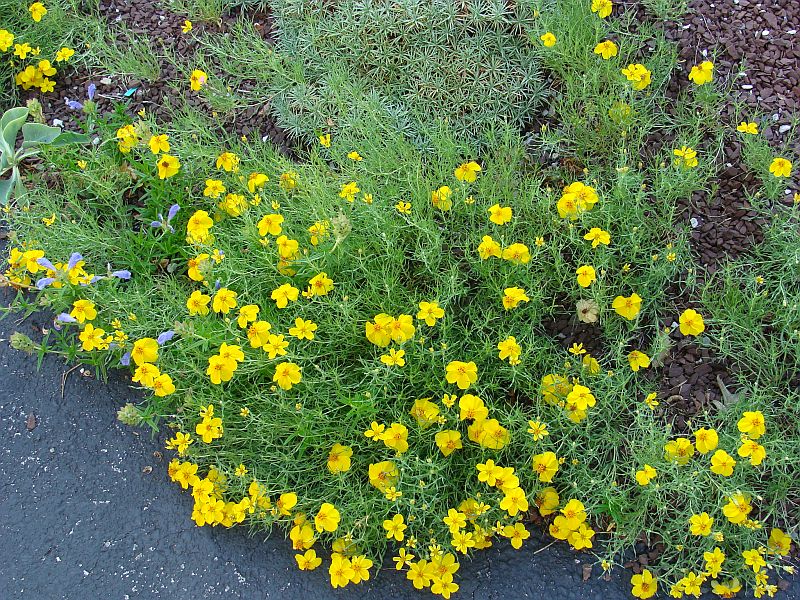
[(165, 337), (94, 279), (44, 282), (164, 223), (91, 91), (43, 262), (216, 285), (124, 274), (125, 360), (73, 104), (65, 318), (74, 259)]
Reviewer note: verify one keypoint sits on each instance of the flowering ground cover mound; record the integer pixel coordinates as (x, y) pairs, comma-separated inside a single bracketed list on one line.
[(413, 341)]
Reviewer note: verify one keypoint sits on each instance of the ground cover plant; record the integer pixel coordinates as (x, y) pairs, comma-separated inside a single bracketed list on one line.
[(355, 345)]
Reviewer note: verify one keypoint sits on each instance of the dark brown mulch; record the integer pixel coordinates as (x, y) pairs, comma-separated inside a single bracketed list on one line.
[(163, 29), (754, 46)]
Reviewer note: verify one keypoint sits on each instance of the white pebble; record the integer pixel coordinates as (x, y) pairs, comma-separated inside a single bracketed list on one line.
[(747, 87), (784, 128), (694, 222)]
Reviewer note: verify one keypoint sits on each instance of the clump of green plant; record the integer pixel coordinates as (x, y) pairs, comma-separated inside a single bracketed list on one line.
[(469, 64)]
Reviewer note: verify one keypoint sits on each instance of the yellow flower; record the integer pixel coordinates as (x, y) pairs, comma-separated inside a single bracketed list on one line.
[(355, 156), (538, 430), (163, 386), (325, 140), (644, 585), (687, 157), (472, 407), (284, 294), (430, 312), (645, 475), (679, 450), (701, 524), (396, 437), (197, 303), (545, 465), (187, 26), (691, 322), (349, 191), (308, 561), (780, 167), (513, 296), (404, 208), (383, 475), (627, 307), (341, 570), (702, 73), (779, 542), (752, 424), (327, 518), (519, 254), (467, 171), (722, 463), (462, 374), (286, 375), (548, 39), (638, 75), (395, 528), (303, 330), (198, 79), (500, 215), (22, 50), (339, 458), (37, 11), (167, 166), (753, 450), (448, 441), (441, 198), (706, 440), (747, 127), (586, 275), (64, 54), (159, 143), (6, 39), (509, 349), (607, 49), (598, 236), (638, 360), (737, 508), (488, 248), (602, 8), (547, 501), (288, 181), (514, 502)]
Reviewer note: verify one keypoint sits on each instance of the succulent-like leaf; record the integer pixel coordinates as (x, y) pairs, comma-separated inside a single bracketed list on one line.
[(6, 187), (10, 124), (70, 137), (37, 133)]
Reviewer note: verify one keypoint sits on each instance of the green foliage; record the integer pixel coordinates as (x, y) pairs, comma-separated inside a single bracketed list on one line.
[(469, 64), (34, 137)]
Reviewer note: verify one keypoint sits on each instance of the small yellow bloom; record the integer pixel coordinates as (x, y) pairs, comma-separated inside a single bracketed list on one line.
[(548, 39)]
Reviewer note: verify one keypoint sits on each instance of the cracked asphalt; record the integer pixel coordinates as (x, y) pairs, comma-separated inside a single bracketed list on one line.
[(87, 512)]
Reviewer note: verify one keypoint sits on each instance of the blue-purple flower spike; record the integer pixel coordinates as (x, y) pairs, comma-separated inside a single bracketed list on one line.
[(165, 337)]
